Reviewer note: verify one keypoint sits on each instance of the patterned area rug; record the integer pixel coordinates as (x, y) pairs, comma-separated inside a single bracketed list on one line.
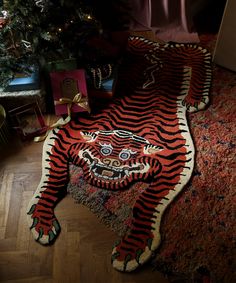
[(141, 136), (198, 229)]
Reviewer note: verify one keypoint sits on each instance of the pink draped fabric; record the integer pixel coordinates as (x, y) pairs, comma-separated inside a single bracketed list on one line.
[(141, 14), (169, 19)]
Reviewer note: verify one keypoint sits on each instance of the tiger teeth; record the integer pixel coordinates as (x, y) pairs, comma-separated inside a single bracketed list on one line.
[(107, 177)]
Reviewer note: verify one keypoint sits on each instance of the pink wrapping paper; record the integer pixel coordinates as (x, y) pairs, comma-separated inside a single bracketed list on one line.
[(66, 84)]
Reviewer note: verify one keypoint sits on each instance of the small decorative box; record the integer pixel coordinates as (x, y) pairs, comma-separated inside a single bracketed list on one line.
[(101, 81), (4, 128), (69, 91), (28, 121), (106, 90), (107, 85)]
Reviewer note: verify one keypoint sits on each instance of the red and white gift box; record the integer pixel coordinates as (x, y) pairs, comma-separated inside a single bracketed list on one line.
[(66, 85)]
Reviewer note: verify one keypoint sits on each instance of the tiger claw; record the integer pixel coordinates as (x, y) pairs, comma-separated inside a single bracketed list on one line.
[(32, 209), (132, 258), (131, 262), (52, 236), (44, 231), (40, 234), (114, 256), (56, 226), (35, 222), (138, 255), (46, 237)]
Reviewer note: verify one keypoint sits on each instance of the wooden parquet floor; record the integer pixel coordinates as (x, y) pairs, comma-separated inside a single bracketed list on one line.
[(82, 252)]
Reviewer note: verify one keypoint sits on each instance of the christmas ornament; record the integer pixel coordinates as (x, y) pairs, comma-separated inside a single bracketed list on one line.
[(41, 4)]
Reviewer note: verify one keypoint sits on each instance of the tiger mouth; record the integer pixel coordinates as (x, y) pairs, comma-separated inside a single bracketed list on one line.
[(109, 173)]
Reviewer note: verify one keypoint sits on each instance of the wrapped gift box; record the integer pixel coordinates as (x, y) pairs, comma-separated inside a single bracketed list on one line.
[(23, 82), (65, 86), (55, 66), (61, 65)]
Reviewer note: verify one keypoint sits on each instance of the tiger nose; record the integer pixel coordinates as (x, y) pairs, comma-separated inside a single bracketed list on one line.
[(112, 162)]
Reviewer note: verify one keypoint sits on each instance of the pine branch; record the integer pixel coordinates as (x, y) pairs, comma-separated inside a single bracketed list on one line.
[(40, 31)]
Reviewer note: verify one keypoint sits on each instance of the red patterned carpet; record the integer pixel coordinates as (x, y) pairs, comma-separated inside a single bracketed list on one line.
[(198, 231)]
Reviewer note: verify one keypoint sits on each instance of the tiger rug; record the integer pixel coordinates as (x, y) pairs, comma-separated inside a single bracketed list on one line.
[(141, 136)]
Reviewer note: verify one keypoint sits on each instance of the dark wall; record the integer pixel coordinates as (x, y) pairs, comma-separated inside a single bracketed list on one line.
[(114, 14), (208, 18)]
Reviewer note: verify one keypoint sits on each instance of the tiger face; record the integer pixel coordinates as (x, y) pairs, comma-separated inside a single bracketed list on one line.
[(114, 159)]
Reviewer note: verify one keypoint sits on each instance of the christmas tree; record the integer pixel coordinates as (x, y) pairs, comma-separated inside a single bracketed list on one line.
[(34, 32)]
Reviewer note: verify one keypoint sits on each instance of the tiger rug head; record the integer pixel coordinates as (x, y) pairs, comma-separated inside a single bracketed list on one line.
[(115, 159)]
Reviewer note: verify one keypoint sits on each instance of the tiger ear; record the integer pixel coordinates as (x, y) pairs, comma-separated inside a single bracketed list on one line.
[(88, 137), (152, 149)]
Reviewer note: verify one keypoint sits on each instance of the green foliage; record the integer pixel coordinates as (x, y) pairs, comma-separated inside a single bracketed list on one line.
[(35, 34), (41, 31)]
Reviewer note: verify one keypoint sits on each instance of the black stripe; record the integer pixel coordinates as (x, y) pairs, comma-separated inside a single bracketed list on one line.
[(56, 189), (59, 135), (45, 211), (57, 177), (51, 155), (139, 232), (144, 219), (127, 249), (45, 205), (58, 142), (169, 140), (167, 184), (54, 163), (45, 223), (154, 202), (173, 156), (148, 195), (177, 162), (60, 183), (175, 168), (46, 217), (68, 135), (46, 199), (129, 243), (137, 211), (57, 172), (158, 191), (150, 209), (49, 193), (170, 133), (171, 177), (135, 238), (60, 153)]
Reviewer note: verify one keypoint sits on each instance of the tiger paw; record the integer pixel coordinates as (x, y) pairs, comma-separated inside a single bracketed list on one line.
[(193, 105), (43, 224), (127, 256)]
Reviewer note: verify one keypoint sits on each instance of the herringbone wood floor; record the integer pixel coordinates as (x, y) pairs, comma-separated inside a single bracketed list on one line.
[(82, 251)]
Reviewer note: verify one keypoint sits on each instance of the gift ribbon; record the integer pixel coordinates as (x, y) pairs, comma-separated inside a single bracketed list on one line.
[(78, 100)]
